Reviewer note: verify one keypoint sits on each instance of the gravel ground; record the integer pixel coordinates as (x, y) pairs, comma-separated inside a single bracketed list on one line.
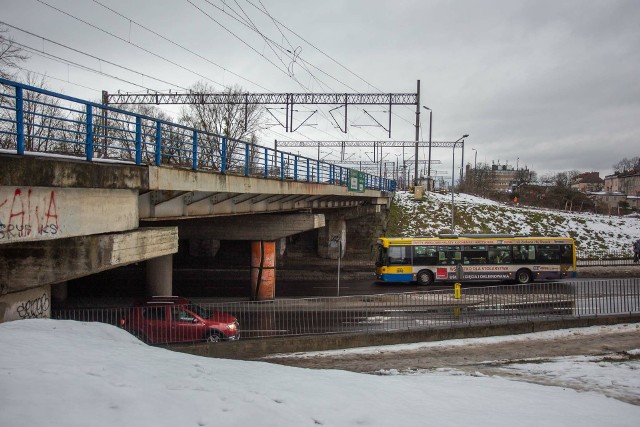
[(495, 357), (617, 271), (481, 355)]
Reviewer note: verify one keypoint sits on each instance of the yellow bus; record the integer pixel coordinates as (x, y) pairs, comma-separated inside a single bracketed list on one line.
[(475, 257)]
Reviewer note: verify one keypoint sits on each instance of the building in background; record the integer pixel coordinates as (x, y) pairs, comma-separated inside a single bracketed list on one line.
[(587, 182), (621, 190)]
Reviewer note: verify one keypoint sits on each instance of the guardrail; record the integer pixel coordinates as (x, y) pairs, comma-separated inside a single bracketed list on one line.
[(403, 311), (36, 120)]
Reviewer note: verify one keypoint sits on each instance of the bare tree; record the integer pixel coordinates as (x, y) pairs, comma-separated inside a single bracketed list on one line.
[(43, 119), (225, 120), (115, 135), (10, 55), (625, 164)]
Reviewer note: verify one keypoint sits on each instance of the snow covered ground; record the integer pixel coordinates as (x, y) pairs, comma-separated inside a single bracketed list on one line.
[(66, 373), (432, 216)]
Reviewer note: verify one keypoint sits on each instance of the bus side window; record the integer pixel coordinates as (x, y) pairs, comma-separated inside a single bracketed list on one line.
[(399, 255), (548, 254), (474, 255), (527, 254), (424, 255)]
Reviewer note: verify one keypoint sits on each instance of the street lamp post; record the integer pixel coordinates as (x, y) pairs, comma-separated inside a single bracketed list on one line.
[(429, 159), (453, 178), (415, 172)]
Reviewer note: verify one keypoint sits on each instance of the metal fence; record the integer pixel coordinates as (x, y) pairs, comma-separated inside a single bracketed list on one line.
[(604, 258), (40, 121), (403, 311)]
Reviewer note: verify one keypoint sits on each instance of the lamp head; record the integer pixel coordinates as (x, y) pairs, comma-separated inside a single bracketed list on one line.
[(465, 136)]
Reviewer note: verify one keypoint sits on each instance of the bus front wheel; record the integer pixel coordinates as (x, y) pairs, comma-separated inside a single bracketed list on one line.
[(424, 278), (524, 276)]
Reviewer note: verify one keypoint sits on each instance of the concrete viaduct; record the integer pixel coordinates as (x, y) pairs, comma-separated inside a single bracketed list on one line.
[(63, 218), (87, 187)]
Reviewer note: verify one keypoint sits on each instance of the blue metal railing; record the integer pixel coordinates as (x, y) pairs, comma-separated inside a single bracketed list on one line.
[(41, 121)]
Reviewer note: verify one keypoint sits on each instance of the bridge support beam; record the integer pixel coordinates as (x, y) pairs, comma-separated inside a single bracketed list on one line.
[(159, 276), (263, 270), (33, 264)]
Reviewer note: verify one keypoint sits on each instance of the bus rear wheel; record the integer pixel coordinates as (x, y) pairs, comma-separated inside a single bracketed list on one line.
[(524, 276), (424, 278)]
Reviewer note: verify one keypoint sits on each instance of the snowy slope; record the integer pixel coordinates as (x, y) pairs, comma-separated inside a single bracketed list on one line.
[(432, 216)]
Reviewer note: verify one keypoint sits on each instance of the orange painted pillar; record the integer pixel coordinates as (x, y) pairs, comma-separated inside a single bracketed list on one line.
[(263, 270)]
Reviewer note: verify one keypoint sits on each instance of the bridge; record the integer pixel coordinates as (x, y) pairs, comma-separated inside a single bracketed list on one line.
[(86, 187)]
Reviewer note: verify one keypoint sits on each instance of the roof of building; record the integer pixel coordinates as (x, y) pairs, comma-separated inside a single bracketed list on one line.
[(588, 178)]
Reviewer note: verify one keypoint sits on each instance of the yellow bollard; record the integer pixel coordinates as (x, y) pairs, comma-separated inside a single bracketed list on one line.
[(456, 290)]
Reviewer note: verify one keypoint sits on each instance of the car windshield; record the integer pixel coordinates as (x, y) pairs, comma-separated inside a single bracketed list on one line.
[(200, 311)]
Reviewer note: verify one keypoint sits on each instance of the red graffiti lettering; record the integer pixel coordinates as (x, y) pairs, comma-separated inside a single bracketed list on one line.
[(17, 195), (22, 218), (52, 213)]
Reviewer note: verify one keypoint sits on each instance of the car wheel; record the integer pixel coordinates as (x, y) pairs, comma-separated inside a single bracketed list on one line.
[(424, 278), (214, 336), (524, 276)]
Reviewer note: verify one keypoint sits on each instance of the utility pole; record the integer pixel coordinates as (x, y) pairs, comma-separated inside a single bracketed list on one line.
[(415, 172)]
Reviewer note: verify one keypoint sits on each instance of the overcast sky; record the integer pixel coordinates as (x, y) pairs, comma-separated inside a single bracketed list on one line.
[(548, 84)]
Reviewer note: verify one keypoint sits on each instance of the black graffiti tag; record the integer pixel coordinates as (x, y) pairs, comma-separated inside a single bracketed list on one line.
[(34, 308)]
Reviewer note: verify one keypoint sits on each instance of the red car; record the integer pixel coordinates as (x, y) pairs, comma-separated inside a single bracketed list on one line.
[(175, 319)]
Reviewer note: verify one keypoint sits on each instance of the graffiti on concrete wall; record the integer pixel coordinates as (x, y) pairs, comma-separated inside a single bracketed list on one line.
[(34, 308), (27, 214)]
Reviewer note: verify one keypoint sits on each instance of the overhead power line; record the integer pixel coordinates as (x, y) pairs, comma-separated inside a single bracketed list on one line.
[(179, 45), (129, 42)]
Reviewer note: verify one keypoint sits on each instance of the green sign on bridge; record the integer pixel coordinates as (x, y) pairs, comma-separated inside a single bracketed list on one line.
[(356, 181)]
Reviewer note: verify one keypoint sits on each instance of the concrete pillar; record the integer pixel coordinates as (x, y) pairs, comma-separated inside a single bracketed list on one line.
[(263, 270), (59, 292), (159, 272), (332, 238)]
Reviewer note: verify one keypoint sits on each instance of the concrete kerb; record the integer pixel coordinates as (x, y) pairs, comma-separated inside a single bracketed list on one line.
[(257, 348)]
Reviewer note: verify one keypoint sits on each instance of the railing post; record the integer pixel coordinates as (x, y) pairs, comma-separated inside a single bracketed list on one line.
[(295, 168), (281, 166), (308, 171), (89, 134), (223, 156), (138, 140), (246, 159), (266, 162), (318, 169), (158, 143), (194, 156), (19, 121)]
